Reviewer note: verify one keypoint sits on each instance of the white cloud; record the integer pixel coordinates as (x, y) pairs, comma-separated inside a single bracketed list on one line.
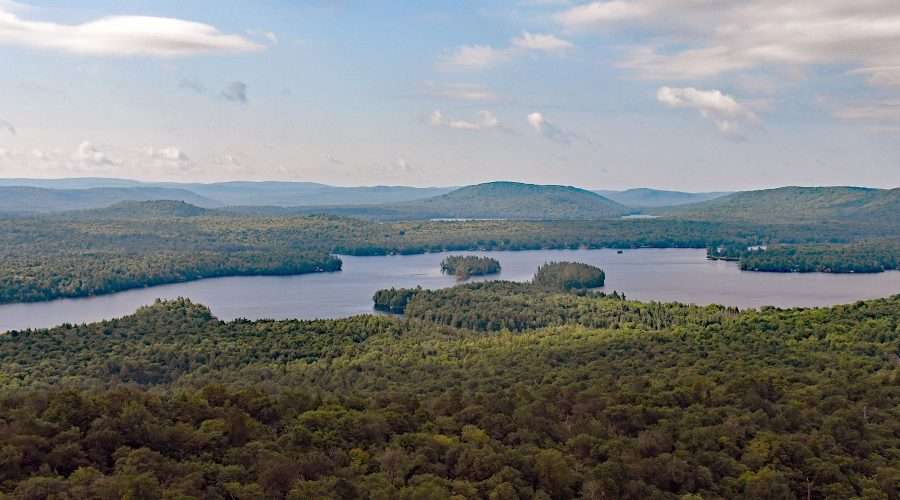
[(694, 40), (169, 158), (270, 36), (460, 91), (727, 113), (550, 130), (540, 41), (235, 92), (40, 154), (885, 110), (483, 120), (601, 12), (88, 156), (121, 36), (475, 57), (170, 153)]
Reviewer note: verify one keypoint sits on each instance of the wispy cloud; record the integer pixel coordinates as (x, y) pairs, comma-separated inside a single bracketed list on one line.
[(724, 110), (542, 42), (550, 130), (88, 157), (704, 39), (483, 120), (121, 36), (477, 57), (881, 110), (602, 12), (460, 91), (168, 158)]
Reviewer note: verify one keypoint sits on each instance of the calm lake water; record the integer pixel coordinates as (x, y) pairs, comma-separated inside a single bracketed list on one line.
[(647, 274)]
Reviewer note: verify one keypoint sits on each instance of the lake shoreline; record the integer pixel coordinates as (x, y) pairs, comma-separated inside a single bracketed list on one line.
[(661, 275)]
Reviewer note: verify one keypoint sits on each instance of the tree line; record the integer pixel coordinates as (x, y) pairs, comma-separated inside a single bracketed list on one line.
[(558, 395), (143, 244), (466, 266)]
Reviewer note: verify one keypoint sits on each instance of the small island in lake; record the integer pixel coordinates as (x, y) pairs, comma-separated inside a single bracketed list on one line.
[(466, 266), (569, 276)]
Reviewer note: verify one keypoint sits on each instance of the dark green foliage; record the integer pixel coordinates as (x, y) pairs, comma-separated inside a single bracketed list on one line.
[(394, 300), (669, 402), (140, 244), (568, 276), (99, 273), (857, 258), (465, 266), (503, 305)]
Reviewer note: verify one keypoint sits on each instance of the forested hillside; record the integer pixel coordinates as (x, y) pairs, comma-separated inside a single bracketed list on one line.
[(612, 399), (138, 244), (797, 204), (492, 200)]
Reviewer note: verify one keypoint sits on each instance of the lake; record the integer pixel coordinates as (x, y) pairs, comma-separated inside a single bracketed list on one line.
[(683, 275)]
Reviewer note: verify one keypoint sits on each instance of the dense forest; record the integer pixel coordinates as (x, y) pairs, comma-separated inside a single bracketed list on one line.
[(568, 276), (590, 396), (394, 300), (863, 257), (466, 266), (139, 244)]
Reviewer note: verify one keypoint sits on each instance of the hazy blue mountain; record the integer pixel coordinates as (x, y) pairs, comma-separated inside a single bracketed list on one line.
[(646, 197), (288, 194), (73, 183), (23, 199)]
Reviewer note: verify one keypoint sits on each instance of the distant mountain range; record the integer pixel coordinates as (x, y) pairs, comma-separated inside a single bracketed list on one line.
[(23, 199), (647, 198), (492, 200), (795, 204), (285, 194)]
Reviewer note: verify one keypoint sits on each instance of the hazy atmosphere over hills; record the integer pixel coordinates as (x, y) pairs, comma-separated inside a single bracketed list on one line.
[(450, 250), (494, 200), (597, 94)]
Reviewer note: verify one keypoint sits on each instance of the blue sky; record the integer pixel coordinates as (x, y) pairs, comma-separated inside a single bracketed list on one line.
[(692, 95)]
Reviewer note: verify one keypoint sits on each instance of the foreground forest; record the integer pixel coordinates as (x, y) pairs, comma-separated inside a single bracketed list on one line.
[(553, 395), (133, 245)]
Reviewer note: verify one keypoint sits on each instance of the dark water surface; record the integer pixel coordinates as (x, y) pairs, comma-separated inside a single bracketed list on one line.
[(647, 274)]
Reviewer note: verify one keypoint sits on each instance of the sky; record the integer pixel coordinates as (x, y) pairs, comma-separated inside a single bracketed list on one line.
[(696, 95)]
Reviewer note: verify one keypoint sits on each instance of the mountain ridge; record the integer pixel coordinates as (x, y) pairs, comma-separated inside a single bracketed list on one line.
[(794, 204)]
